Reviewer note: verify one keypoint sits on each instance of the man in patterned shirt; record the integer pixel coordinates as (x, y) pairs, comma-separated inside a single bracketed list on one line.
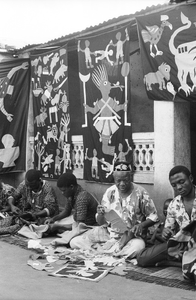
[(34, 199), (79, 204), (6, 190), (180, 213), (127, 210), (133, 205)]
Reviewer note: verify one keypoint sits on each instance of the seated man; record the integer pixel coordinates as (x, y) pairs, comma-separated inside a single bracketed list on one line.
[(6, 190), (79, 204), (180, 212), (34, 199), (133, 205)]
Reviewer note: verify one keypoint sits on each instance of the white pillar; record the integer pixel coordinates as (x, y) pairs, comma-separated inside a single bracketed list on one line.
[(172, 144)]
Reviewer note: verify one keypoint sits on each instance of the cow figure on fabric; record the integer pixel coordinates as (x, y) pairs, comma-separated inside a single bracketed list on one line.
[(106, 120), (159, 77)]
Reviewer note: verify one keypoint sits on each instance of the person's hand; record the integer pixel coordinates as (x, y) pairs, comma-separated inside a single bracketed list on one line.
[(137, 230), (49, 221), (100, 209), (167, 233), (15, 210), (126, 237), (34, 217)]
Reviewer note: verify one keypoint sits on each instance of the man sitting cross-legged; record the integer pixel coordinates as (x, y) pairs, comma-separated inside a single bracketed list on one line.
[(179, 230), (132, 205)]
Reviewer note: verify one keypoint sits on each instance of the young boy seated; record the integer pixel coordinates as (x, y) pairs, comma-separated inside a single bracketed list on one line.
[(157, 235)]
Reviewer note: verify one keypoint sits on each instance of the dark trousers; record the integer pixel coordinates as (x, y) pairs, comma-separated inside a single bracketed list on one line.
[(148, 257)]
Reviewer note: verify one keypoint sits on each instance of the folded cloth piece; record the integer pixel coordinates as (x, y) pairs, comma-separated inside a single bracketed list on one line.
[(33, 231), (65, 221), (68, 235), (117, 224)]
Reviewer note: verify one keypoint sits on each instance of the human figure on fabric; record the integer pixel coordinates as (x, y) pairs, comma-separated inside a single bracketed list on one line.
[(180, 241), (57, 162), (34, 199), (122, 155), (119, 47), (106, 120), (94, 166), (132, 205), (6, 191), (80, 205), (106, 166), (87, 53), (104, 54), (7, 89), (10, 153)]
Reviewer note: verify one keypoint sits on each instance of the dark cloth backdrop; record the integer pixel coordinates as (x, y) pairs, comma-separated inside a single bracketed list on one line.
[(104, 81), (14, 102), (168, 50), (51, 112)]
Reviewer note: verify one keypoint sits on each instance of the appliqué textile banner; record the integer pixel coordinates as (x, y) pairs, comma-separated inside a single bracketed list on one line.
[(168, 51), (14, 102), (51, 112), (104, 74)]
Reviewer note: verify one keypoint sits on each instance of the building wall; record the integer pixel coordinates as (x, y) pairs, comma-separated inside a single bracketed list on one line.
[(142, 116)]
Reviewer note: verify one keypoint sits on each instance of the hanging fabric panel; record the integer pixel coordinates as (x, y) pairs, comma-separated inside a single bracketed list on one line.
[(168, 51), (14, 102), (51, 112), (104, 74)]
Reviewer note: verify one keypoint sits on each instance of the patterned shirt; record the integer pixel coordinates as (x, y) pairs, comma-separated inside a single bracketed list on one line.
[(6, 191), (135, 209), (27, 200), (83, 207), (177, 217)]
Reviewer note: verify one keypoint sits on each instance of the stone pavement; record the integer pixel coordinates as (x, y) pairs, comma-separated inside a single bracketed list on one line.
[(18, 281)]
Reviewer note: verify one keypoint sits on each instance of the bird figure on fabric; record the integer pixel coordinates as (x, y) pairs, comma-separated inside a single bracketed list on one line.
[(153, 34)]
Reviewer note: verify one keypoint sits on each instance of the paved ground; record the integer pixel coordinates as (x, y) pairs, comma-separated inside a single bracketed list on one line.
[(18, 281)]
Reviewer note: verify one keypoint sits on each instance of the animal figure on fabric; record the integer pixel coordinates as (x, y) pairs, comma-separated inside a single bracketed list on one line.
[(60, 72), (54, 61), (40, 119), (47, 93), (35, 62), (184, 58), (153, 35), (52, 133), (158, 77), (56, 98)]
